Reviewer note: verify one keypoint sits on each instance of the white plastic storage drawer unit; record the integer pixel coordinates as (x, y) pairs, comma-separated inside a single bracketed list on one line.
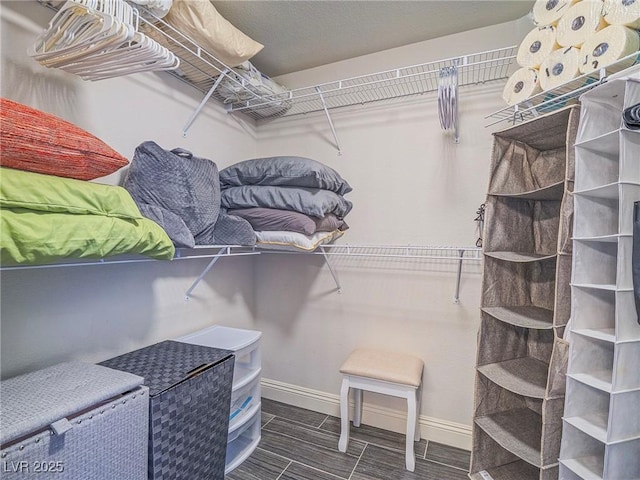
[(244, 417)]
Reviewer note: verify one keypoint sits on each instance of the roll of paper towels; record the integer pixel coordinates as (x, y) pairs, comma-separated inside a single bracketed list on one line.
[(524, 83), (608, 46), (549, 12), (536, 46), (622, 12), (580, 22), (560, 67)]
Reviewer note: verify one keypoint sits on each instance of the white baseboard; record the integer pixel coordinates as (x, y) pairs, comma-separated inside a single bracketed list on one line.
[(438, 430)]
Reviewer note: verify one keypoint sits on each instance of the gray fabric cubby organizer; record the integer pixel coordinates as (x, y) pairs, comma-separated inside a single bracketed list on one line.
[(601, 424), (525, 306)]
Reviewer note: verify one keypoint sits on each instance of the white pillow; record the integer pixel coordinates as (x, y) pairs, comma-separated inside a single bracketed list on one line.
[(200, 21), (281, 240)]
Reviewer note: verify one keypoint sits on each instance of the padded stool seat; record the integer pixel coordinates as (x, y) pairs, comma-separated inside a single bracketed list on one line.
[(380, 371)]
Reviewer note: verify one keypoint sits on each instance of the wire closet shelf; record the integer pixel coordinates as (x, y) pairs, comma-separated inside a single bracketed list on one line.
[(432, 252), (472, 69), (452, 256), (560, 96), (203, 70)]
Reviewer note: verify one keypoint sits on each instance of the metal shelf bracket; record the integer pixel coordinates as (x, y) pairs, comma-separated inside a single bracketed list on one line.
[(326, 112), (205, 271), (331, 270), (202, 103), (456, 297)]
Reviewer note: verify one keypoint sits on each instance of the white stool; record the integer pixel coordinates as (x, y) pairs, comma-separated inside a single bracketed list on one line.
[(379, 371)]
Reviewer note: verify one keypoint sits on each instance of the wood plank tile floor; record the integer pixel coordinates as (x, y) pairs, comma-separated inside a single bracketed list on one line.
[(299, 444)]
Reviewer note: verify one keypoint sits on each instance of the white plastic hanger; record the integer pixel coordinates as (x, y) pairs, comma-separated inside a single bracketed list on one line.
[(98, 39), (141, 54), (71, 28)]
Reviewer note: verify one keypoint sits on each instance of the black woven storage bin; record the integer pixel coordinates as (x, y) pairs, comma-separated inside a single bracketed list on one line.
[(190, 395)]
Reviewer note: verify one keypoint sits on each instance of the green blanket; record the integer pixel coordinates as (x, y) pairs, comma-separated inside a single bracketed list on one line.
[(44, 218)]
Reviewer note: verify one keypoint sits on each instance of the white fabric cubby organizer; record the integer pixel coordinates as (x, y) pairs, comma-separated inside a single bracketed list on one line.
[(244, 418), (601, 423)]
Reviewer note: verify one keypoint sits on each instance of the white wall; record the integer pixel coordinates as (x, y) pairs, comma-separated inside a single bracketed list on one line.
[(92, 313), (412, 185)]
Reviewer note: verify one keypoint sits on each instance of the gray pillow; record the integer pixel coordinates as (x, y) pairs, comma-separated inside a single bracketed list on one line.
[(311, 201), (271, 219), (284, 171)]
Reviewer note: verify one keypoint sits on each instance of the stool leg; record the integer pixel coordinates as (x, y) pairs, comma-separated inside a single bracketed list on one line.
[(344, 415), (357, 400), (419, 404), (411, 430)]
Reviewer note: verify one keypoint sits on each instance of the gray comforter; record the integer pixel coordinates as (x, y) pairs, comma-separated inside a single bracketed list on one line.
[(181, 193)]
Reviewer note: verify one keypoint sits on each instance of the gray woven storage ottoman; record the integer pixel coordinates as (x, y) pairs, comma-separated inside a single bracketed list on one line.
[(74, 421), (190, 390)]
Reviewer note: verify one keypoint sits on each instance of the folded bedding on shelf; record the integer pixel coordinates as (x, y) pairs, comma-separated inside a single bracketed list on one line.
[(310, 201), (294, 241), (292, 203), (158, 7), (245, 83), (272, 219), (47, 218)]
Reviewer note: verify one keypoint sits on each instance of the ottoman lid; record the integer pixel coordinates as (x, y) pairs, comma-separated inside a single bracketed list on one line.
[(35, 400), (168, 363)]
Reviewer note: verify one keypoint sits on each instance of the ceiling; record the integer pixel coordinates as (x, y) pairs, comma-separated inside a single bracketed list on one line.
[(301, 34)]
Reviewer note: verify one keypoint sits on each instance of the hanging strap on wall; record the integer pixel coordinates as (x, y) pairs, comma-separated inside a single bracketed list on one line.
[(480, 220)]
